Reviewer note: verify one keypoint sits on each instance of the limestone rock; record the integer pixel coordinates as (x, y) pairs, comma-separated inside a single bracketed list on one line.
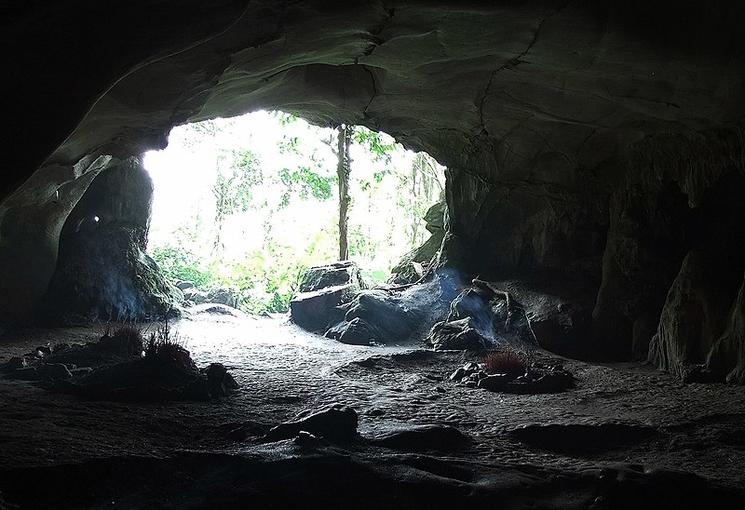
[(103, 271), (728, 354), (335, 422), (322, 290), (461, 334), (422, 438), (332, 275)]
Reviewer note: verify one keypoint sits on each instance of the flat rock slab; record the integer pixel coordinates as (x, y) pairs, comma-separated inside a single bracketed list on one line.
[(418, 438), (584, 438)]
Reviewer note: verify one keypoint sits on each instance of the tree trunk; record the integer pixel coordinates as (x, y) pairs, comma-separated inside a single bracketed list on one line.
[(343, 169)]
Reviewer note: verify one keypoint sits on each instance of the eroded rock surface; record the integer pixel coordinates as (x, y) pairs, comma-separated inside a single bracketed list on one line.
[(103, 271)]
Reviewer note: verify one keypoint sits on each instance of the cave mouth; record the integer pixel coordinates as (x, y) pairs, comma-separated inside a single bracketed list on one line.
[(596, 170), (242, 207)]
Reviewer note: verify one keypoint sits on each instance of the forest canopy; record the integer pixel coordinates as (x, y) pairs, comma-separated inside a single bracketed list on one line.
[(245, 205)]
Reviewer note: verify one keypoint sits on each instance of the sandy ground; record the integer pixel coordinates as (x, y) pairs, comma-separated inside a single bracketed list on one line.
[(282, 370)]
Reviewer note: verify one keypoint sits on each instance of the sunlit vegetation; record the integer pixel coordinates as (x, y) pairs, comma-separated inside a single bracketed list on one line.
[(245, 205)]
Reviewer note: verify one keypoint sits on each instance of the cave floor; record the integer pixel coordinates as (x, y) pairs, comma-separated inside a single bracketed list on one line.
[(669, 446)]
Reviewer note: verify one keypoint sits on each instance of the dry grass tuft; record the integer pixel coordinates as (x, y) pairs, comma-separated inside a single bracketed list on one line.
[(165, 346), (125, 338), (511, 362)]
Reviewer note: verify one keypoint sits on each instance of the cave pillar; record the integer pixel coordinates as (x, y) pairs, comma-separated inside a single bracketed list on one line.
[(102, 270)]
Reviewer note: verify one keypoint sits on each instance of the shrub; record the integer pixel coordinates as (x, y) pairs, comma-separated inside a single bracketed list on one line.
[(164, 346), (508, 361)]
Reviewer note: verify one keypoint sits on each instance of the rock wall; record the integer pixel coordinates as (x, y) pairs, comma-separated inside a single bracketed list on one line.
[(727, 357), (681, 193)]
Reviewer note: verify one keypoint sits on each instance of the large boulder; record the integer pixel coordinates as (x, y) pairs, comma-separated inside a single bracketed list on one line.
[(321, 291), (331, 275), (480, 317), (335, 422), (393, 315), (459, 335)]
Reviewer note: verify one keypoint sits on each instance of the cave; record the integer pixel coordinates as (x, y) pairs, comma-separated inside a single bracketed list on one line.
[(571, 335)]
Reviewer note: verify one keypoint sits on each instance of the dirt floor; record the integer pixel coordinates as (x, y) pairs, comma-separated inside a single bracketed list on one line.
[(626, 436)]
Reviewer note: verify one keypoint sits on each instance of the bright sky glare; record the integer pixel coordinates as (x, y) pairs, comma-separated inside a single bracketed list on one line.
[(184, 173)]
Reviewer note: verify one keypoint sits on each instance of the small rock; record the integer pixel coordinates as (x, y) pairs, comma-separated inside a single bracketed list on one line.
[(80, 371), (307, 440), (471, 384), (439, 389), (219, 380), (458, 374), (375, 412), (42, 351), (494, 382), (554, 381), (185, 284)]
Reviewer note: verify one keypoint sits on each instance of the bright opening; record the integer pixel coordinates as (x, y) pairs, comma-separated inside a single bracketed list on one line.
[(243, 206)]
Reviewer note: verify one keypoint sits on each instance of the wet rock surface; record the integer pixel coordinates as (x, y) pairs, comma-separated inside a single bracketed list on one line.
[(691, 458)]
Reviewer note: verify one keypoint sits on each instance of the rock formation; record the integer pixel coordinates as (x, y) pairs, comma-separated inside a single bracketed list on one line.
[(581, 138), (102, 269)]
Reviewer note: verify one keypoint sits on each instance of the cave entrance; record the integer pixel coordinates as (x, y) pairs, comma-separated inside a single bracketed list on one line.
[(243, 206)]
